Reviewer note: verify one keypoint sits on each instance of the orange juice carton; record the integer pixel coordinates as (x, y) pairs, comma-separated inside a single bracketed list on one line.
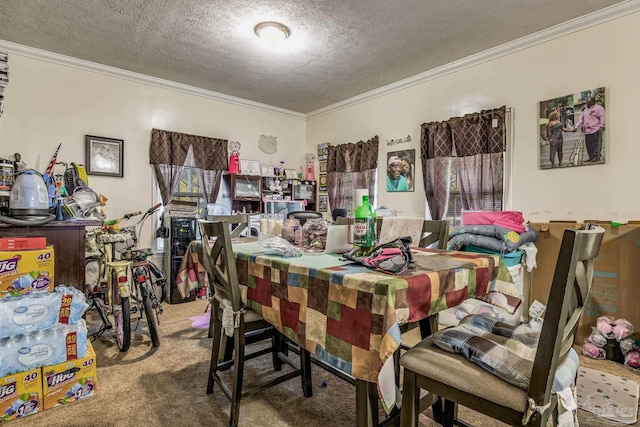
[(26, 271), (20, 394), (69, 381)]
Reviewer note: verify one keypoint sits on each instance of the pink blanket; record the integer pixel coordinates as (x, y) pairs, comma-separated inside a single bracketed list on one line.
[(508, 219)]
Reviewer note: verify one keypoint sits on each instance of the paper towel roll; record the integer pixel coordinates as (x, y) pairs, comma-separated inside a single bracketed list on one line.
[(357, 198)]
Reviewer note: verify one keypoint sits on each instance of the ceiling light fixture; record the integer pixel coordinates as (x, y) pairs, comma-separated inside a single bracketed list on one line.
[(272, 32)]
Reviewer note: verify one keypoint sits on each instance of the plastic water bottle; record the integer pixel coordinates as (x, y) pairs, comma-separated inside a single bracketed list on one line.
[(46, 347), (364, 233), (32, 312)]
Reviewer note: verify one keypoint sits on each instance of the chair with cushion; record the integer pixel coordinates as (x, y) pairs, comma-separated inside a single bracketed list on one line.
[(237, 224), (303, 216), (247, 326), (515, 383)]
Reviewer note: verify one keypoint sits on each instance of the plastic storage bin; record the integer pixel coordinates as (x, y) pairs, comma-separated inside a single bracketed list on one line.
[(510, 259)]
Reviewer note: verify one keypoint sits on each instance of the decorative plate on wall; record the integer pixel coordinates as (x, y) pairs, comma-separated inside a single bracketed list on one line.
[(268, 144)]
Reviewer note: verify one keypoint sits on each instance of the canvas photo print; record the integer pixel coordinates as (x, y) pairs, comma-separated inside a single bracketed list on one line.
[(401, 170), (572, 130)]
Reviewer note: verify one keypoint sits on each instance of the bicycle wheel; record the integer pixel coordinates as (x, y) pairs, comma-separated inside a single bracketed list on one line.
[(159, 282), (121, 315), (150, 313)]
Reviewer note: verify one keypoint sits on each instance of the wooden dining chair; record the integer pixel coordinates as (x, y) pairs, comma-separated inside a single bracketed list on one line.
[(459, 381), (237, 224), (246, 325)]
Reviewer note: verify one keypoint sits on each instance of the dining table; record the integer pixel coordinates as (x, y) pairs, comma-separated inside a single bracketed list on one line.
[(348, 315)]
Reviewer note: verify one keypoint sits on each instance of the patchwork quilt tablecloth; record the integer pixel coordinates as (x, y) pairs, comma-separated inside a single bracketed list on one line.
[(191, 273), (349, 315)]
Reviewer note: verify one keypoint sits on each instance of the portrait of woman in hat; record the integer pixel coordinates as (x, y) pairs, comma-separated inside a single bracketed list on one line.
[(396, 181), (400, 170)]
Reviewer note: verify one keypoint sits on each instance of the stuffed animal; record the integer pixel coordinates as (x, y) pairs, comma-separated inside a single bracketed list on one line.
[(310, 174), (614, 340), (622, 328), (632, 359), (593, 351), (604, 325), (234, 158)]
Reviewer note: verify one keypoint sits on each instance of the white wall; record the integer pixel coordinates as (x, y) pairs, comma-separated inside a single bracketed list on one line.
[(603, 55), (48, 103)]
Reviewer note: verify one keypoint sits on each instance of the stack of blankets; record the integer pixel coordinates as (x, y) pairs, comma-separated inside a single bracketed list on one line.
[(501, 231)]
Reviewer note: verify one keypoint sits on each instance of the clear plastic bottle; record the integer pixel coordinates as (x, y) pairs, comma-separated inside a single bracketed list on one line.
[(289, 229), (364, 233)]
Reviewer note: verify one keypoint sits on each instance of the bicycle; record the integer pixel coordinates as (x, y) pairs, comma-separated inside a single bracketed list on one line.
[(121, 281)]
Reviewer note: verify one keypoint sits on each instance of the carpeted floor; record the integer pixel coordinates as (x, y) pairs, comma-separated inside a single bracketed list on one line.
[(166, 387)]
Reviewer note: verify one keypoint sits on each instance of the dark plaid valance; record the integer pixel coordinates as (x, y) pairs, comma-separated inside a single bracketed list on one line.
[(358, 157), (171, 148)]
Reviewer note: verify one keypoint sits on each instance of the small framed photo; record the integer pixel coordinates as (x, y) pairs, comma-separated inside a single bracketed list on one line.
[(267, 171), (291, 174), (250, 167), (104, 156)]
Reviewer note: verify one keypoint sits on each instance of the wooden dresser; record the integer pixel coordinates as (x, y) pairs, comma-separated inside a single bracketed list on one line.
[(67, 238)]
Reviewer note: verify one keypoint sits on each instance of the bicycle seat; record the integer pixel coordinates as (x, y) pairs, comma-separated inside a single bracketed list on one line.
[(114, 237), (137, 254)]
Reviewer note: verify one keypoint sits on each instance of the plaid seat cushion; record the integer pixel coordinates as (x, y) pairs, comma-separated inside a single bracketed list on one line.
[(504, 350)]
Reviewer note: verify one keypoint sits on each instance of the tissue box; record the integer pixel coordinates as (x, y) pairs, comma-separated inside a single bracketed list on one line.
[(20, 395), (69, 381), (26, 271), (13, 243)]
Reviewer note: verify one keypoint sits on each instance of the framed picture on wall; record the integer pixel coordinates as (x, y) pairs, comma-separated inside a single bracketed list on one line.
[(104, 156), (401, 170), (571, 130), (291, 174), (267, 171), (250, 167)]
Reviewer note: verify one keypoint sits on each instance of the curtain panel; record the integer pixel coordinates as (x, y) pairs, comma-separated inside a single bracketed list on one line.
[(478, 141), (436, 149), (169, 152), (350, 166)]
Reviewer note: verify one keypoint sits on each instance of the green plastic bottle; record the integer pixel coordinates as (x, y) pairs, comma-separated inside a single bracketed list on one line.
[(364, 231)]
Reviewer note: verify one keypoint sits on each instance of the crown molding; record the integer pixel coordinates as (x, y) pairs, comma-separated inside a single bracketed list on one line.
[(613, 12), (68, 61), (607, 14)]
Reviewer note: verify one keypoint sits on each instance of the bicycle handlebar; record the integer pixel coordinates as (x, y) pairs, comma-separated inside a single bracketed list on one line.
[(114, 222), (131, 215)]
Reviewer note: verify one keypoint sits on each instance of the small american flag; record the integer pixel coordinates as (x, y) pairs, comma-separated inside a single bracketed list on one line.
[(52, 163)]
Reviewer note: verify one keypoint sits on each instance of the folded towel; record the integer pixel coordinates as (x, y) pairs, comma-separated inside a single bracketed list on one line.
[(397, 226), (512, 220)]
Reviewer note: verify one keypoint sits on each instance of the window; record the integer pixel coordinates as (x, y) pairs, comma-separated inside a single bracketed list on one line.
[(454, 209), (190, 187)]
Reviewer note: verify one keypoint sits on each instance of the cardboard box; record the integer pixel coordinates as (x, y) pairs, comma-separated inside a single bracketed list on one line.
[(12, 243), (20, 395), (26, 271), (616, 271), (69, 381)]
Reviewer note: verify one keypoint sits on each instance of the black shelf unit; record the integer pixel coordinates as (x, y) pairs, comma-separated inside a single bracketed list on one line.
[(181, 232)]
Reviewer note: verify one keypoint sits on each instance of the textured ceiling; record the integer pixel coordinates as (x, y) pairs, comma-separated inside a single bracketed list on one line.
[(338, 48)]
